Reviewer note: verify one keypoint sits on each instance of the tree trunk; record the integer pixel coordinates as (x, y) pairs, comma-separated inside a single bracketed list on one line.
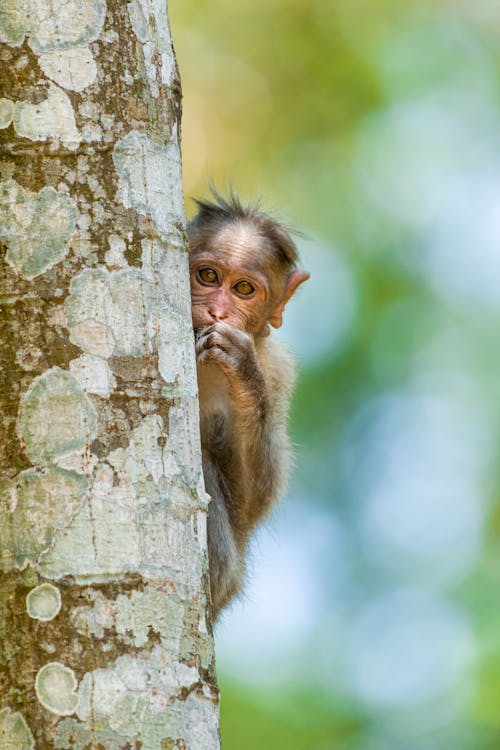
[(104, 637)]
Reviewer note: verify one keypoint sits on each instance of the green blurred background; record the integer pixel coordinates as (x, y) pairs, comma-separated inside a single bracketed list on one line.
[(372, 613)]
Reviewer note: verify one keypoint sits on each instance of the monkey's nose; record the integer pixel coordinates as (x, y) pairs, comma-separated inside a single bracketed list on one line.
[(218, 313), (218, 309)]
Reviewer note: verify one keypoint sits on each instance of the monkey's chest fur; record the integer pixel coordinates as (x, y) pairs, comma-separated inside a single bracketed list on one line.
[(216, 414)]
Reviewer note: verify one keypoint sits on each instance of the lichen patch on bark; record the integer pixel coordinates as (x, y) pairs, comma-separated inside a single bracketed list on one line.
[(134, 618), (35, 227), (6, 112), (105, 312), (53, 118), (94, 374), (55, 687), (50, 25), (75, 735), (14, 731), (147, 174), (151, 27), (130, 526), (149, 701), (144, 456), (73, 68), (103, 540), (31, 512), (43, 602), (56, 417)]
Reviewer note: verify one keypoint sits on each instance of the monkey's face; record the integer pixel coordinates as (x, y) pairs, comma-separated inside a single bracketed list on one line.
[(233, 281), (231, 293)]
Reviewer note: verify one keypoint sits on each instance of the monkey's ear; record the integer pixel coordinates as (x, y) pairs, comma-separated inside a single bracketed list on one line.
[(294, 280)]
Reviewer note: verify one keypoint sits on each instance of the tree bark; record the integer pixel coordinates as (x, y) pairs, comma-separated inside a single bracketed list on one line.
[(105, 640)]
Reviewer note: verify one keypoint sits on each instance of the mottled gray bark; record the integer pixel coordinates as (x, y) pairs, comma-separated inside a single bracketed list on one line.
[(104, 638)]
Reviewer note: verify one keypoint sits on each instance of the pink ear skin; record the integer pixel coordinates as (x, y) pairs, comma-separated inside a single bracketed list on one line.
[(294, 280)]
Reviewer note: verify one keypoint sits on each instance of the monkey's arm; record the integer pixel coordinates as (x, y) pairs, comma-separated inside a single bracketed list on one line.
[(255, 455)]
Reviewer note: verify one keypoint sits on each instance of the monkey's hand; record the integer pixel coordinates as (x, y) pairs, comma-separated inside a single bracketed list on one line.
[(233, 351)]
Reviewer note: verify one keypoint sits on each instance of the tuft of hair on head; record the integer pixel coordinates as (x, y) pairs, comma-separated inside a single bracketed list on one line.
[(213, 215)]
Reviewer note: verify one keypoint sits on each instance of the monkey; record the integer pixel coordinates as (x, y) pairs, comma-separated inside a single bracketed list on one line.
[(242, 273)]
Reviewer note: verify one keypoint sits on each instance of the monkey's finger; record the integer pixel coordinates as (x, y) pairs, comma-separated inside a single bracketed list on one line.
[(212, 339), (239, 338), (228, 338), (217, 356)]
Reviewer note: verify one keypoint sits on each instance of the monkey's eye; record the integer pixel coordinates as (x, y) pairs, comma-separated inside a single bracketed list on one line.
[(207, 276), (244, 288)]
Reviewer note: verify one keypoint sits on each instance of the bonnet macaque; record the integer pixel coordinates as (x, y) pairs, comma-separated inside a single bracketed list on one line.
[(242, 265)]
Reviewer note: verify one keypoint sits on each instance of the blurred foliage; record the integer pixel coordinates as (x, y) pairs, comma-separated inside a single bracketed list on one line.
[(281, 722), (374, 127)]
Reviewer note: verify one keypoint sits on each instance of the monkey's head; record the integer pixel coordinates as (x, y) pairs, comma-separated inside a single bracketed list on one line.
[(242, 264)]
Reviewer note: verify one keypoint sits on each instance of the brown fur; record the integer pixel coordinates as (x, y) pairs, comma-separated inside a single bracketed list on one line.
[(245, 378)]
